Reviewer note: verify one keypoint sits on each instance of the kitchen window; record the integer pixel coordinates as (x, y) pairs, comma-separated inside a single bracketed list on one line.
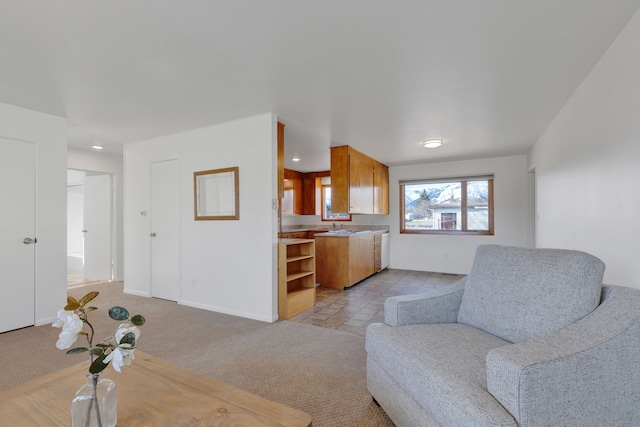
[(447, 206), (327, 215)]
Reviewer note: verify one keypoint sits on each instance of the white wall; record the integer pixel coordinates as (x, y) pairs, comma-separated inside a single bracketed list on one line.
[(454, 253), (111, 164), (49, 133), (226, 266), (587, 168)]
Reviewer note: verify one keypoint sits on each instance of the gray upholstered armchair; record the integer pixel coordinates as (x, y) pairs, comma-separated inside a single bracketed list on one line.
[(529, 338)]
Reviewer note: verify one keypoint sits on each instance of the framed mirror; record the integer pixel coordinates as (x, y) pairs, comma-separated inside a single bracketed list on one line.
[(216, 194)]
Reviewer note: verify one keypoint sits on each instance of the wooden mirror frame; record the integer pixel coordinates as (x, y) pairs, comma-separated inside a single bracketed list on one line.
[(222, 183)]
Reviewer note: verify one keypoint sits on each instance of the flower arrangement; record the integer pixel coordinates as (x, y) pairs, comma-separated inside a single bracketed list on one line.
[(117, 349)]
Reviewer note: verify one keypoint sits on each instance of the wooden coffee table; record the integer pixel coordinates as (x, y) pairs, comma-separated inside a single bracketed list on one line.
[(151, 392)]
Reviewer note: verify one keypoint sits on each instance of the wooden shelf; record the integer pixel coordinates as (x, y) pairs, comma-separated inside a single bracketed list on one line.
[(299, 291), (293, 276), (296, 276), (298, 258)]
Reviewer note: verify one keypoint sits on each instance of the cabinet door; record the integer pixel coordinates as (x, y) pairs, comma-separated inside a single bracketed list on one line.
[(292, 201), (380, 188), (361, 257), (354, 182), (308, 194), (294, 235), (340, 179), (361, 183)]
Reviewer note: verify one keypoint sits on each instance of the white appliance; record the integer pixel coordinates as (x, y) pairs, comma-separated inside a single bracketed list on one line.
[(384, 251)]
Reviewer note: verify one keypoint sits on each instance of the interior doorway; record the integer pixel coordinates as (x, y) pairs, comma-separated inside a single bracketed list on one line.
[(89, 227), (17, 228)]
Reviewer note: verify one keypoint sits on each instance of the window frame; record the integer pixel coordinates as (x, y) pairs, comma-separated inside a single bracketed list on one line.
[(323, 205), (463, 205)]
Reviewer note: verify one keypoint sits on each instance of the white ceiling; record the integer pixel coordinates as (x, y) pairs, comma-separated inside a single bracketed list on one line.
[(488, 76)]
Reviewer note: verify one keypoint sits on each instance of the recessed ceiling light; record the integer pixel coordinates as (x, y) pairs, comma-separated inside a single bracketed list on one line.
[(295, 159), (97, 147), (432, 143)]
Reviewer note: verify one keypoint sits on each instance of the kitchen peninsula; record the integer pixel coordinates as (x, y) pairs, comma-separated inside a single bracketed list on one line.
[(346, 257)]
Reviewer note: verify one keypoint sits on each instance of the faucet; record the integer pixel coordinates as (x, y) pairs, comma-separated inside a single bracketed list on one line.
[(334, 225)]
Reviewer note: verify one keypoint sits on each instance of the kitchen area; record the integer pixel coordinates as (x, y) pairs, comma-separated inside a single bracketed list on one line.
[(334, 229)]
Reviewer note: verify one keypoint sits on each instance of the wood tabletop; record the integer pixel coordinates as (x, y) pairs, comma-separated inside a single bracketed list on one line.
[(151, 392)]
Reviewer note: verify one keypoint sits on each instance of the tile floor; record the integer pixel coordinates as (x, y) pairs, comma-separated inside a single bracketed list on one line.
[(354, 308)]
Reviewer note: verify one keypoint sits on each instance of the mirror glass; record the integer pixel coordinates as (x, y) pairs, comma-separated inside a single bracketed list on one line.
[(216, 194)]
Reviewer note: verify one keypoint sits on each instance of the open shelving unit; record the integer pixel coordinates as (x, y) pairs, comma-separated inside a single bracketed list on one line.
[(296, 276)]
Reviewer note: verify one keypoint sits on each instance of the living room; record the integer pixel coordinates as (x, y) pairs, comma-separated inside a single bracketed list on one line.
[(566, 190)]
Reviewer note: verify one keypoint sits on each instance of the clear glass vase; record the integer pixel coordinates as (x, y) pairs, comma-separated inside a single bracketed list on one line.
[(95, 404)]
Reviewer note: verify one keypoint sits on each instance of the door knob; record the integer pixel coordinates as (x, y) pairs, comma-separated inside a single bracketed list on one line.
[(152, 234), (29, 241)]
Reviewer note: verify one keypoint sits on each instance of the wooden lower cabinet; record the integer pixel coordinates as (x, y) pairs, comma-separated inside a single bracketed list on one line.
[(296, 276), (294, 235), (345, 260)]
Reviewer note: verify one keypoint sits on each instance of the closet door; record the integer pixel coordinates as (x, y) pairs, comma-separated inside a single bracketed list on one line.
[(97, 227), (17, 231), (165, 230)]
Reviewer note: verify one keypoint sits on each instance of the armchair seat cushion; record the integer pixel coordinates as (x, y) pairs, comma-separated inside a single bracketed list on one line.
[(453, 357)]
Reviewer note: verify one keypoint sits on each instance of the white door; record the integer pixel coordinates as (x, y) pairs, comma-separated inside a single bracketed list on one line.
[(17, 228), (165, 230), (97, 227)]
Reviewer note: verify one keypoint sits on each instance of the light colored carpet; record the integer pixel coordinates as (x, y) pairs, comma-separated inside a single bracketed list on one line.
[(319, 371)]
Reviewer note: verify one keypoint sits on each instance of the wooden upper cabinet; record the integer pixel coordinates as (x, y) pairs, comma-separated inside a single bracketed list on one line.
[(308, 194), (292, 200), (380, 188), (302, 192), (359, 183), (340, 179), (280, 160)]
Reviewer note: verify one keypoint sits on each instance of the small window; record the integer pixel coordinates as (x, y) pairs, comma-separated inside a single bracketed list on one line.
[(447, 206), (327, 215)]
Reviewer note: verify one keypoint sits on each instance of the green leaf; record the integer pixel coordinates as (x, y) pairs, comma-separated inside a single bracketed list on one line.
[(138, 320), (129, 338), (105, 345), (77, 350), (98, 365), (88, 309), (97, 351), (118, 313), (88, 297)]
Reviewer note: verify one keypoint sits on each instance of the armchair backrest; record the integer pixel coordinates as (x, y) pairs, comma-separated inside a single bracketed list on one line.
[(521, 293)]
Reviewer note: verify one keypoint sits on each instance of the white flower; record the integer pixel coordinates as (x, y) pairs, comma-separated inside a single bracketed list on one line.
[(71, 326), (120, 356), (124, 329)]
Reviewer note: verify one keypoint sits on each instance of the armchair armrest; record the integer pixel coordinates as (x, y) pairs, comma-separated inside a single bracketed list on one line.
[(584, 374), (439, 305)]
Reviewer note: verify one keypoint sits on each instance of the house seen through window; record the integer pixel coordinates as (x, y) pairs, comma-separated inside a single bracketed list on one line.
[(447, 206)]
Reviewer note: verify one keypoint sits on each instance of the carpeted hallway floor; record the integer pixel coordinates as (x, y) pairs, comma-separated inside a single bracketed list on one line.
[(318, 370)]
